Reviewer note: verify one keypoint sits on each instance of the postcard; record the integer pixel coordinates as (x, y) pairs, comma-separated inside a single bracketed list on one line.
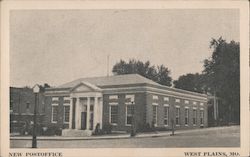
[(124, 78)]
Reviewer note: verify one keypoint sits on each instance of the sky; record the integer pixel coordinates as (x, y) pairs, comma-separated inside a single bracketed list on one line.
[(58, 46)]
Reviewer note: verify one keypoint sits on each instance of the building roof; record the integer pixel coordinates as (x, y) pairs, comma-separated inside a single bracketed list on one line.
[(111, 80), (120, 80)]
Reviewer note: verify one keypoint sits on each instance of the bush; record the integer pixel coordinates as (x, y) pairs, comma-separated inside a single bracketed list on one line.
[(39, 129), (162, 129), (145, 127), (18, 127), (52, 130), (98, 130)]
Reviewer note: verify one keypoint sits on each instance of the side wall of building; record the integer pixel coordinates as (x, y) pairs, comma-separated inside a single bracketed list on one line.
[(189, 104)]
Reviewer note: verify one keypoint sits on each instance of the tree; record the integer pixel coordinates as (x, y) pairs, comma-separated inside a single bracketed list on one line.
[(43, 87), (191, 82), (222, 73), (159, 74)]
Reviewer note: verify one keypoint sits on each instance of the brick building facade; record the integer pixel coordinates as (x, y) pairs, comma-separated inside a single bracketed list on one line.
[(79, 106), (22, 102)]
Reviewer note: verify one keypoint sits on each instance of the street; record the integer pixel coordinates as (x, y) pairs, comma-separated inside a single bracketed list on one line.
[(226, 137)]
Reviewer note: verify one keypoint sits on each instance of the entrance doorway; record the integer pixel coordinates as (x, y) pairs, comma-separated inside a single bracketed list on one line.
[(83, 120)]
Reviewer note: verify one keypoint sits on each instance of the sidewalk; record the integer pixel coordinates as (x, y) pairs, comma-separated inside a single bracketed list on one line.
[(121, 136)]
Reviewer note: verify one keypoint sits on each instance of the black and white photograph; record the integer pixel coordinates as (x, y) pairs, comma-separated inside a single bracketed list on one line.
[(118, 77)]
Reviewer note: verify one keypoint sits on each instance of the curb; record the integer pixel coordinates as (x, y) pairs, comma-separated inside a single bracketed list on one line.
[(127, 136), (69, 138)]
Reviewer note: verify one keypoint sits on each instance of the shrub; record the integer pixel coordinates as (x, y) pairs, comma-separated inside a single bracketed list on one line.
[(39, 129), (162, 129), (145, 127), (52, 130), (98, 130)]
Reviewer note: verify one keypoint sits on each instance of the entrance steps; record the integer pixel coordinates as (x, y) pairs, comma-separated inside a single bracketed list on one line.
[(76, 133)]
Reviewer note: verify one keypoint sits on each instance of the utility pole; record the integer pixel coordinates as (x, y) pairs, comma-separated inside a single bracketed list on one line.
[(19, 104), (108, 65), (36, 89)]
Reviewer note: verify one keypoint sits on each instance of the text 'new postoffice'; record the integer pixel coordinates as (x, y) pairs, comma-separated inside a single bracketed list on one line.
[(78, 107)]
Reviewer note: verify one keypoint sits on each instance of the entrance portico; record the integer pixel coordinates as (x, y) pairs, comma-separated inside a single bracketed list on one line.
[(85, 109)]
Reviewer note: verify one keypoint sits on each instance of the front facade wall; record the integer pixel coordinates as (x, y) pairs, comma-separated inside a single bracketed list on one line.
[(60, 116), (140, 111), (183, 104)]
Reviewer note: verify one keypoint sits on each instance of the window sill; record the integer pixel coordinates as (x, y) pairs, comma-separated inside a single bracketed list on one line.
[(114, 124), (186, 124), (54, 122), (177, 125)]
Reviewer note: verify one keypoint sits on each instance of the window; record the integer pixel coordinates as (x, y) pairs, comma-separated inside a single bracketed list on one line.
[(154, 103), (155, 115), (194, 116), (166, 98), (43, 105), (55, 98), (130, 99), (201, 103), (166, 115), (27, 105), (66, 98), (129, 113), (202, 117), (194, 103), (186, 102), (91, 108), (54, 113), (155, 97), (66, 113), (177, 100), (177, 116), (186, 116), (113, 114), (113, 97)]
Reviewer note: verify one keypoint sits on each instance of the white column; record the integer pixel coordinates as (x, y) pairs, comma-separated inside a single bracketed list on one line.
[(95, 120), (100, 105), (78, 127), (70, 113), (79, 114), (88, 113)]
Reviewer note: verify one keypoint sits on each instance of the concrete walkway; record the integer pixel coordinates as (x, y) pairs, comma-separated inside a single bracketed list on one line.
[(120, 136)]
